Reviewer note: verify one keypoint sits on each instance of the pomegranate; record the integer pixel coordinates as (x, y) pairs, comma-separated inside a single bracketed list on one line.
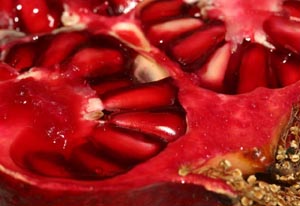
[(147, 102)]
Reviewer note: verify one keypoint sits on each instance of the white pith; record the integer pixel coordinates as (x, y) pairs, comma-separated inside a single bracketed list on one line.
[(147, 70)]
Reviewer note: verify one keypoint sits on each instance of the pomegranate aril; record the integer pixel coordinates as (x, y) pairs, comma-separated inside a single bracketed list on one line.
[(142, 96), (7, 14), (110, 85), (97, 62), (283, 32), (198, 45), (287, 68), (47, 163), (232, 72), (166, 125), (60, 48), (163, 33), (292, 7), (7, 5), (212, 74), (122, 6), (125, 144), (161, 10), (22, 56), (253, 71), (7, 72), (88, 163), (36, 16)]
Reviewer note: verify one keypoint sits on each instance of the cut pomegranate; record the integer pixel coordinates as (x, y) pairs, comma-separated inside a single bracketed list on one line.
[(153, 102)]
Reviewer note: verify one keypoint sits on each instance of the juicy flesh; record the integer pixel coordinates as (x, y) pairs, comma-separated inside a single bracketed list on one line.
[(137, 119)]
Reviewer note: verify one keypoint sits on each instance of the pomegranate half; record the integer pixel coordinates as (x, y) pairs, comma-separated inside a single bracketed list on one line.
[(147, 102)]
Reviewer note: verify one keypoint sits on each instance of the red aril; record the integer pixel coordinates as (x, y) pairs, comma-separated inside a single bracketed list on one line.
[(92, 62), (149, 95), (89, 164), (162, 33), (167, 125), (160, 11), (125, 145), (22, 57), (7, 14), (287, 68), (111, 84), (212, 75), (61, 46), (198, 45), (252, 75), (284, 32), (7, 72), (37, 16), (292, 8), (48, 164)]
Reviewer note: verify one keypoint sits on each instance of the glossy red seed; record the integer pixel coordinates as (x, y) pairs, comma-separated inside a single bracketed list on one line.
[(232, 72), (167, 125), (48, 164), (287, 68), (110, 85), (36, 16), (97, 62), (7, 14), (7, 72), (253, 70), (7, 5), (89, 164), (22, 56), (160, 10), (212, 74), (124, 144), (198, 45), (143, 96), (283, 32), (162, 34), (292, 7), (122, 6), (61, 47)]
